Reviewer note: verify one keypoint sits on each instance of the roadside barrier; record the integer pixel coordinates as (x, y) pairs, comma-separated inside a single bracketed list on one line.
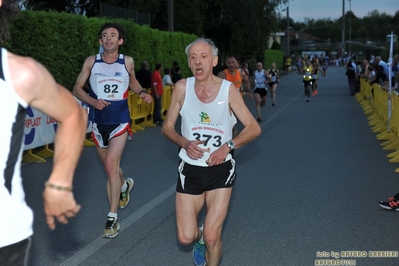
[(166, 96), (141, 115), (375, 102)]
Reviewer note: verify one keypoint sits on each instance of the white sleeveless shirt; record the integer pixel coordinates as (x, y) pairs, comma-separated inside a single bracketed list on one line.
[(18, 217), (260, 79), (212, 122)]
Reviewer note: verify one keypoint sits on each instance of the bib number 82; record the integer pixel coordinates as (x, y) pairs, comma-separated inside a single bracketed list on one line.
[(107, 88)]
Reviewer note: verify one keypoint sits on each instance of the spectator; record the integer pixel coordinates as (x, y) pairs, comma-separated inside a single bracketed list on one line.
[(156, 91), (143, 75), (166, 80), (177, 75), (380, 62), (370, 73), (173, 68), (380, 77), (352, 77)]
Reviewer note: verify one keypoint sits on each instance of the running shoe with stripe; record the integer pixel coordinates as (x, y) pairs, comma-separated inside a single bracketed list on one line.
[(199, 252), (392, 203), (111, 228), (125, 197)]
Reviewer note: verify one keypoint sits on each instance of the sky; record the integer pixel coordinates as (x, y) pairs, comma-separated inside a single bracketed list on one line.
[(319, 9)]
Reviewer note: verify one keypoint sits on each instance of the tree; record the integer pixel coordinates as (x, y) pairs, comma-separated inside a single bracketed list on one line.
[(241, 27)]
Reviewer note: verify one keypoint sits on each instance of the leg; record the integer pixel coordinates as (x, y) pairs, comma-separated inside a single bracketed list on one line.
[(273, 92), (263, 102), (313, 87), (111, 160), (257, 104), (187, 210), (307, 90), (217, 202), (264, 98)]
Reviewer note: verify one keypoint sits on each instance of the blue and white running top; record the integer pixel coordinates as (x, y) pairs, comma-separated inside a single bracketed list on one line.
[(111, 83)]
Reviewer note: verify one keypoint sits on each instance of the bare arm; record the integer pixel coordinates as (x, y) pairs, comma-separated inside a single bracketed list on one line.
[(79, 90), (168, 128), (266, 73), (251, 127), (38, 88)]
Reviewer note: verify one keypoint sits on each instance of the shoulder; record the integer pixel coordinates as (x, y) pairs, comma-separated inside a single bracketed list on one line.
[(28, 76), (129, 62), (222, 74), (128, 59), (180, 88), (89, 62), (91, 59)]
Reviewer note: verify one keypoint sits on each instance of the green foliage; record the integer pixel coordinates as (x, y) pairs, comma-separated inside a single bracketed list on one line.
[(62, 42), (275, 46), (273, 56)]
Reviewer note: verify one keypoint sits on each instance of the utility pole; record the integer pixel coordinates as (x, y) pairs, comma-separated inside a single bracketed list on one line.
[(343, 29), (288, 30), (350, 27), (171, 26)]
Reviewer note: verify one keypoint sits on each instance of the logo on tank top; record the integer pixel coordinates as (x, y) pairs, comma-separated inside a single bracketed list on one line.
[(118, 74), (204, 117)]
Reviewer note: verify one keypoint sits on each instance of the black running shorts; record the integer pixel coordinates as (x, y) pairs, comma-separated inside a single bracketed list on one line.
[(261, 91), (195, 180), (307, 83)]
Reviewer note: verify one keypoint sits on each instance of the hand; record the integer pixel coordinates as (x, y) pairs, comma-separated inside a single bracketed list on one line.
[(249, 94), (217, 157), (146, 97), (193, 150), (101, 104), (60, 205)]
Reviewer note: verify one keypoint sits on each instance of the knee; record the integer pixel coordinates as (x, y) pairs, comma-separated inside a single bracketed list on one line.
[(186, 238), (211, 240), (110, 168)]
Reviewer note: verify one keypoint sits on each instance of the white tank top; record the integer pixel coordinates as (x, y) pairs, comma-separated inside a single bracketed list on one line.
[(17, 217), (260, 79), (212, 122)]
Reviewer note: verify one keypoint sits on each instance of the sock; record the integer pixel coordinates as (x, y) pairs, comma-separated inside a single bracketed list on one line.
[(124, 187), (201, 241), (113, 215)]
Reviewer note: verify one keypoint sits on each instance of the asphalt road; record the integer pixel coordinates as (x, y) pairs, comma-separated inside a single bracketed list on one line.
[(307, 189)]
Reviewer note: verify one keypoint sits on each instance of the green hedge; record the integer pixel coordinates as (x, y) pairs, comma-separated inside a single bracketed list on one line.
[(276, 56), (62, 42)]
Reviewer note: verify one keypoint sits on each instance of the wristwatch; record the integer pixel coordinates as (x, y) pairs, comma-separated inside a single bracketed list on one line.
[(231, 145)]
